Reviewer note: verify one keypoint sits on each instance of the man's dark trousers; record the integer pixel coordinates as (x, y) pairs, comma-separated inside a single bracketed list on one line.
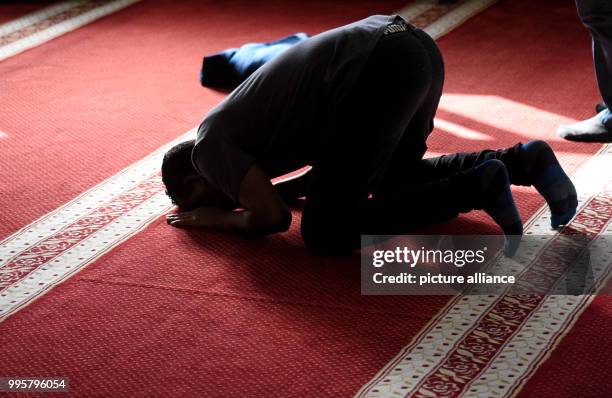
[(371, 177)]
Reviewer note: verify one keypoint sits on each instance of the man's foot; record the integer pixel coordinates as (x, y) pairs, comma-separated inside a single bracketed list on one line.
[(600, 107), (499, 203), (550, 181), (590, 130)]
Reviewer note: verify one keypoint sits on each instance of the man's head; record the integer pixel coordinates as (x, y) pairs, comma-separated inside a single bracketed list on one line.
[(185, 187)]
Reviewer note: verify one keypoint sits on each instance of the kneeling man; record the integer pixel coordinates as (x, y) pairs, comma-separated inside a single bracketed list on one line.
[(356, 103)]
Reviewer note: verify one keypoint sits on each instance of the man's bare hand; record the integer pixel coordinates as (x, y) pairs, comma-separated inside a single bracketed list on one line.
[(200, 217), (264, 211)]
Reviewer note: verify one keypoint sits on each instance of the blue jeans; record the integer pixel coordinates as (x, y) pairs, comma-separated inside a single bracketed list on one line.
[(596, 15)]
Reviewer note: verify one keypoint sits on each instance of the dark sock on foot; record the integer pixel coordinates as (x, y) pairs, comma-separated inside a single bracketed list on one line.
[(499, 203), (550, 180)]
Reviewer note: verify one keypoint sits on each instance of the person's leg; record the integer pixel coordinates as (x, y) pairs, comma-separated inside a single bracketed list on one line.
[(441, 192), (337, 208), (430, 169), (437, 190), (530, 164), (412, 145), (405, 167), (596, 15), (368, 126)]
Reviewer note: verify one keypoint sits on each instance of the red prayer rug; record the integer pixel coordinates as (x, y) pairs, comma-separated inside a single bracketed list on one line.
[(94, 286)]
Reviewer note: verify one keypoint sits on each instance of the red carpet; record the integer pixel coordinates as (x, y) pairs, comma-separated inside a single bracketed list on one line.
[(177, 313), (586, 347)]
